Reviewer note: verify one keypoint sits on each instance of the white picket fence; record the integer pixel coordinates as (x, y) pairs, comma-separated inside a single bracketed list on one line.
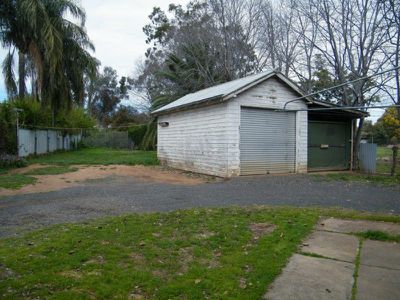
[(44, 141)]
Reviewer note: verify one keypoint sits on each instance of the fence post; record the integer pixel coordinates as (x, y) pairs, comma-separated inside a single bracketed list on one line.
[(17, 139), (35, 150), (48, 141)]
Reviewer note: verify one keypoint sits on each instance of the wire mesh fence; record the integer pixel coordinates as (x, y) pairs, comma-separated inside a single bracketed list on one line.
[(107, 138), (384, 160)]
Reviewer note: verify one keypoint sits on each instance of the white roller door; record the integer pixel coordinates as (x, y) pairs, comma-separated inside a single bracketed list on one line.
[(267, 142)]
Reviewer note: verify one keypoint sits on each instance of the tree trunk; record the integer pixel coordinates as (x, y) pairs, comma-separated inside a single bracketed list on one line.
[(397, 73), (21, 74), (395, 150), (356, 143)]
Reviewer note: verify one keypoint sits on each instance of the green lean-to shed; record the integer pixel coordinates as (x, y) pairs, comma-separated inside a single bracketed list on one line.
[(330, 139)]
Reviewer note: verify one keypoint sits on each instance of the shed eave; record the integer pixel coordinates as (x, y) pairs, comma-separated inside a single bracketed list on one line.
[(201, 103), (356, 112)]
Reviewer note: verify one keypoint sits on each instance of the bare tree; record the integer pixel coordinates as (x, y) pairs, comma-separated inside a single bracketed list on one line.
[(304, 66), (350, 36), (238, 23), (287, 49), (268, 36), (392, 49)]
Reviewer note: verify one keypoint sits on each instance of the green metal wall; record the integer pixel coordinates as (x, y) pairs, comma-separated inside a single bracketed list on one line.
[(329, 145)]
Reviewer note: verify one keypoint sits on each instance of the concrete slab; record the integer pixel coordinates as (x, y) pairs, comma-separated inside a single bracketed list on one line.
[(378, 283), (381, 254), (309, 278), (333, 245), (349, 226)]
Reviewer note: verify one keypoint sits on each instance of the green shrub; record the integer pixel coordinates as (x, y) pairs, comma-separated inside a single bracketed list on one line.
[(8, 132), (144, 136), (74, 118), (137, 133), (12, 161), (32, 112), (150, 138)]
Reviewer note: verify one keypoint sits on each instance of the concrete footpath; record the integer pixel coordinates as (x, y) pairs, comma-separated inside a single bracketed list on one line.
[(335, 264)]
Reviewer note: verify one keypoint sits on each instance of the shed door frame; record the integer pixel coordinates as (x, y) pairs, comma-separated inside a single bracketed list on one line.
[(292, 154)]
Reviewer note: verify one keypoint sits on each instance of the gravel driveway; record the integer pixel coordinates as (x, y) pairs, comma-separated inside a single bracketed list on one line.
[(119, 195)]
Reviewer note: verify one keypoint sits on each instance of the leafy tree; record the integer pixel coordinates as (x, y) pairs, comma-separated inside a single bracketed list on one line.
[(322, 79), (127, 115), (192, 50), (384, 130), (391, 122), (368, 130), (75, 119), (108, 92)]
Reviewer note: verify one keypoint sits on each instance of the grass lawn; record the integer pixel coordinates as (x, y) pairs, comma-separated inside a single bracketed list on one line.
[(359, 177), (383, 152), (383, 169), (226, 253), (98, 156), (51, 170), (15, 181), (10, 180), (379, 236)]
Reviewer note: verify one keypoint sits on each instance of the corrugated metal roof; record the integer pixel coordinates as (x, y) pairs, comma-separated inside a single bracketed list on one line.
[(216, 92), (229, 89)]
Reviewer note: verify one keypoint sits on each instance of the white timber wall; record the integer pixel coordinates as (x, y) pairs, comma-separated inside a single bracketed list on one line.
[(206, 139), (270, 94), (195, 140)]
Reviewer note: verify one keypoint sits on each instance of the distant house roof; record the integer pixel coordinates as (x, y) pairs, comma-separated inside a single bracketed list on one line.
[(228, 90)]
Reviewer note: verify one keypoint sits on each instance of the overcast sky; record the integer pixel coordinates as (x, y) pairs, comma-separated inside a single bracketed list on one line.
[(115, 27)]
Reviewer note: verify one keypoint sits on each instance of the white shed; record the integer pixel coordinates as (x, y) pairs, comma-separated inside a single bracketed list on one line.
[(235, 128)]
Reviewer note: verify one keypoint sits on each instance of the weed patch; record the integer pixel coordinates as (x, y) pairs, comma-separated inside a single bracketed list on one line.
[(379, 236)]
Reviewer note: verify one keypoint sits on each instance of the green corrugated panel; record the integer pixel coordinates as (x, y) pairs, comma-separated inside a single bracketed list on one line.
[(329, 145)]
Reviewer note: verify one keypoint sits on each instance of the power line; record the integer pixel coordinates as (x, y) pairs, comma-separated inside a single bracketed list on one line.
[(339, 85)]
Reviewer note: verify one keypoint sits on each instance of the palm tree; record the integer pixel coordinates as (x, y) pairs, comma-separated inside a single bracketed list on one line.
[(56, 47)]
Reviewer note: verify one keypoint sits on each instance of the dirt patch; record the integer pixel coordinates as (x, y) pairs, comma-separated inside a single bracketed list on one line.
[(99, 260), (138, 258), (6, 273), (185, 259), (210, 263), (242, 283), (261, 229), (204, 235), (162, 274), (47, 183), (71, 274)]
